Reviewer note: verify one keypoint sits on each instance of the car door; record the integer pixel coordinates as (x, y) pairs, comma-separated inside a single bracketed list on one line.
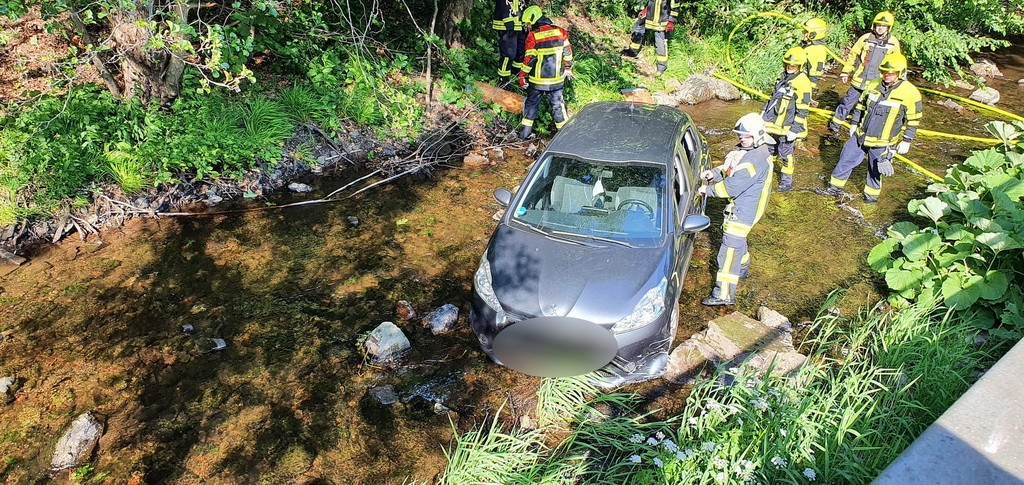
[(684, 187)]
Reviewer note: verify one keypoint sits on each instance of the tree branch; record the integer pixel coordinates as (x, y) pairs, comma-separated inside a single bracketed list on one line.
[(97, 63)]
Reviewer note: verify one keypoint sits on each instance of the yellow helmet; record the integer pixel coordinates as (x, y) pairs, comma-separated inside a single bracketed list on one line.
[(885, 18), (532, 14), (795, 56), (893, 62), (816, 27)]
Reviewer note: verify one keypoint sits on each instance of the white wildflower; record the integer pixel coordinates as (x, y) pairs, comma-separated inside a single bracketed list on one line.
[(651, 441), (759, 404), (659, 435), (747, 465), (774, 392), (708, 446), (635, 458), (721, 463), (636, 439), (670, 446), (720, 477), (783, 433), (713, 405), (778, 462), (690, 453), (739, 421), (809, 473), (657, 462), (692, 420), (681, 455), (754, 382)]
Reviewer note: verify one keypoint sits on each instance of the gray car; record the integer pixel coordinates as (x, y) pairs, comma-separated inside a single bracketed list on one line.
[(602, 230)]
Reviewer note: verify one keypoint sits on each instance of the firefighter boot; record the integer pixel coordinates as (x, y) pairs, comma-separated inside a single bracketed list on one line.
[(716, 301), (525, 132)]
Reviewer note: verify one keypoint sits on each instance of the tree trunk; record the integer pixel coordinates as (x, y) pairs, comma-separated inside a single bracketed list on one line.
[(150, 74), (455, 11)]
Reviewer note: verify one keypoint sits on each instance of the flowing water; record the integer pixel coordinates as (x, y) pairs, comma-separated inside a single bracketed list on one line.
[(97, 325)]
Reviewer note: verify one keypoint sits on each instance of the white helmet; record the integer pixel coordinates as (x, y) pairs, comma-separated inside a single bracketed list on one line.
[(751, 124)]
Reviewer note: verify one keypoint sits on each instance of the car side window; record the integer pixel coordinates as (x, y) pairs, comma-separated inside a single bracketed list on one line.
[(682, 185)]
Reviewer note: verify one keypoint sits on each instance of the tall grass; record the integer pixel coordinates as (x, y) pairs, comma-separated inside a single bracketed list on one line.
[(872, 385)]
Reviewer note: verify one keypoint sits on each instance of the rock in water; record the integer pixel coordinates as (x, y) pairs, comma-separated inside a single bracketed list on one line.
[(301, 188), (386, 342), (385, 394), (986, 68), (986, 95), (443, 319), (77, 443)]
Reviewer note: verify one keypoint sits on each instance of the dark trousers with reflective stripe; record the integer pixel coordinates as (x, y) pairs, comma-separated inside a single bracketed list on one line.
[(532, 105), (733, 262), (845, 106), (511, 49), (783, 150), (852, 155), (636, 41)]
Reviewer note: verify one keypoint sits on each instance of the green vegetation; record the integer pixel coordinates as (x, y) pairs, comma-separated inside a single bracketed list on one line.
[(872, 385), (968, 254)]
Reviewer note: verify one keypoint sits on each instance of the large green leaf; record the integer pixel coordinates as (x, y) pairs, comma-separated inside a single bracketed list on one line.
[(956, 232), (917, 246), (961, 290), (947, 258), (1006, 132), (985, 159), (996, 180), (995, 285), (975, 209), (880, 257), (1013, 188), (901, 280), (900, 230), (999, 241), (931, 207)]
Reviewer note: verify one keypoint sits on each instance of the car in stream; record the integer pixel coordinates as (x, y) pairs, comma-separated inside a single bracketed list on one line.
[(601, 230)]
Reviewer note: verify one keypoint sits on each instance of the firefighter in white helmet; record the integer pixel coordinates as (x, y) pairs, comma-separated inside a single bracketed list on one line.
[(746, 179)]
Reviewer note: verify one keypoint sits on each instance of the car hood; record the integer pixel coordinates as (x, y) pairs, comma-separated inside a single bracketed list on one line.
[(533, 276)]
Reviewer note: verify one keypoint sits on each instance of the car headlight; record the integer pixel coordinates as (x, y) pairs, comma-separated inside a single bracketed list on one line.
[(649, 308), (482, 285)]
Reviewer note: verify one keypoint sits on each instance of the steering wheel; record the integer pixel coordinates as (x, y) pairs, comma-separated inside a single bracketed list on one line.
[(630, 203)]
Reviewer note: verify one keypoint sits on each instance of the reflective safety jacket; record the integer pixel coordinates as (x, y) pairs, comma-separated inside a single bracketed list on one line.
[(885, 115), (866, 55), (660, 12), (508, 15), (548, 55), (817, 56), (748, 184), (787, 109)]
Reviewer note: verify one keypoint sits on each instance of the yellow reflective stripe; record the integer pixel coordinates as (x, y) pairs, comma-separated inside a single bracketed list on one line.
[(787, 168), (745, 259), (546, 81), (661, 58), (872, 191), (737, 229), (766, 191), (546, 34), (634, 46), (728, 277), (527, 122), (837, 182), (720, 189), (749, 167)]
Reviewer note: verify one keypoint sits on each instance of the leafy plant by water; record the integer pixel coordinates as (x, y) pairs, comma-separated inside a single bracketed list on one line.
[(967, 254)]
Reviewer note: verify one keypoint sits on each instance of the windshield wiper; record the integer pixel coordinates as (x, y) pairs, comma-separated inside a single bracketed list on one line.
[(596, 238), (551, 235)]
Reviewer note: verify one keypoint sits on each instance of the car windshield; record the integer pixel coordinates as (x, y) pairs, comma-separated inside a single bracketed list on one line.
[(615, 203)]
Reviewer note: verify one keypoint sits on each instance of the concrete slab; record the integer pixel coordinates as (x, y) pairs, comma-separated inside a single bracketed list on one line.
[(977, 441)]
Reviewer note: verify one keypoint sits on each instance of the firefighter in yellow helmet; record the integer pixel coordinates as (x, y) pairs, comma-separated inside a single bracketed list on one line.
[(511, 36), (884, 121), (785, 113), (546, 66), (746, 179), (863, 61), (659, 16), (815, 30)]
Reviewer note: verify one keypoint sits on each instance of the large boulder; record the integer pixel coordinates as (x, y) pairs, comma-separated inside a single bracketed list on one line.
[(986, 68), (986, 95), (699, 88), (386, 342), (78, 442)]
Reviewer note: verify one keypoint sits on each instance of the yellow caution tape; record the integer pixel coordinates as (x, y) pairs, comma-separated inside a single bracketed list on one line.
[(974, 103)]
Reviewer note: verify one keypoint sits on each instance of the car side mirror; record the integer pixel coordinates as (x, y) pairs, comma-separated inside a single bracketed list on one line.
[(696, 223), (504, 196)]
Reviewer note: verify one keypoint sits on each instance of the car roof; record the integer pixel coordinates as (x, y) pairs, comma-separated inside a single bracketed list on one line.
[(621, 131)]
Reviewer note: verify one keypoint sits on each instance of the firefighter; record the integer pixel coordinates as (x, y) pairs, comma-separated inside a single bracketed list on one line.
[(746, 179), (785, 113), (659, 16), (884, 121), (547, 64), (865, 56), (511, 36), (815, 30)]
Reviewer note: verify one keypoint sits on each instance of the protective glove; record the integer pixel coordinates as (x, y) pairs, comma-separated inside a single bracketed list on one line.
[(791, 136), (569, 75), (844, 77), (707, 175), (903, 147), (643, 12), (702, 190), (733, 158), (853, 131), (522, 80), (669, 27), (885, 167)]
